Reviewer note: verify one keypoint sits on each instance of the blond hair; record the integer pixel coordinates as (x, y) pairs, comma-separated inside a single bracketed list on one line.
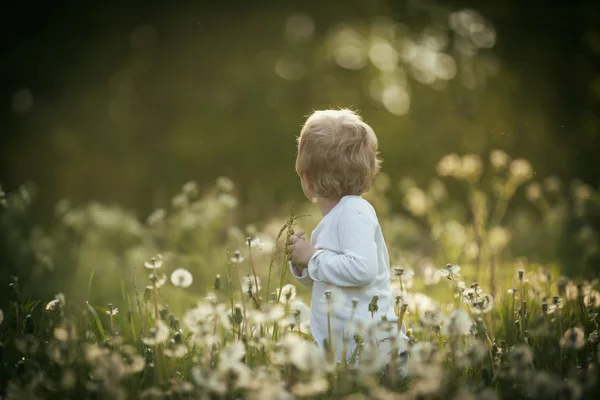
[(337, 152)]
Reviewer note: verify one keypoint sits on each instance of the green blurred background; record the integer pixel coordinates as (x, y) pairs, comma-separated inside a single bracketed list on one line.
[(124, 102)]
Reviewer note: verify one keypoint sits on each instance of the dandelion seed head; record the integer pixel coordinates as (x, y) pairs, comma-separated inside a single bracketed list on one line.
[(287, 293), (482, 305), (470, 167), (473, 352), (249, 285), (301, 311), (533, 192), (449, 165), (225, 184), (498, 238), (431, 318), (158, 280), (430, 275), (415, 201), (458, 323), (499, 159), (450, 271), (313, 387), (112, 311), (157, 335), (237, 257), (573, 338), (521, 170), (181, 277), (228, 200), (155, 262), (520, 356), (52, 305)]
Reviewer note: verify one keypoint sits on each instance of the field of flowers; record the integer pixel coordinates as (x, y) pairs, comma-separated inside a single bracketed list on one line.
[(190, 305)]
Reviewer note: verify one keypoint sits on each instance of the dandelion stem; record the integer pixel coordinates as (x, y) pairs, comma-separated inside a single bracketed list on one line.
[(257, 300), (155, 295)]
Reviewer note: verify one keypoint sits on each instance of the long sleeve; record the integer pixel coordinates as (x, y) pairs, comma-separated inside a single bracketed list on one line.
[(356, 265), (304, 279)]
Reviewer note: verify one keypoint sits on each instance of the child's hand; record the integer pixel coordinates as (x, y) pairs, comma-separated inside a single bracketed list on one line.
[(300, 250), (299, 235)]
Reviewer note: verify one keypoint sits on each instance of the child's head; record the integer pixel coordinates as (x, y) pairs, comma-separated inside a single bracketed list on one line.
[(337, 154)]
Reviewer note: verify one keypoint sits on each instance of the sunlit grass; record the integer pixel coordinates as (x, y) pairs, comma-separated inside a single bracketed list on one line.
[(187, 304)]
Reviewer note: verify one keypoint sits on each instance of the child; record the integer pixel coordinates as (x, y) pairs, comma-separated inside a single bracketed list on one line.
[(346, 262)]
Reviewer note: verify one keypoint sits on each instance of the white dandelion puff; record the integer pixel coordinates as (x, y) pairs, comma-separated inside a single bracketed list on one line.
[(159, 280), (521, 170), (449, 271), (249, 284), (182, 278), (157, 335), (573, 338), (499, 159), (237, 257), (287, 293), (52, 305), (458, 323), (155, 262)]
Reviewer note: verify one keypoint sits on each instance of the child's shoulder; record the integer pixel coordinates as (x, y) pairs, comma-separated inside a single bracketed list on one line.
[(357, 204)]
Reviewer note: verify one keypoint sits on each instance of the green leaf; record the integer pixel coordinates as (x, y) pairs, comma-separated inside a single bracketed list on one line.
[(99, 331)]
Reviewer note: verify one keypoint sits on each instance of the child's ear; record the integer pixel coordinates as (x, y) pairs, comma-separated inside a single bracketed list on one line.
[(306, 181)]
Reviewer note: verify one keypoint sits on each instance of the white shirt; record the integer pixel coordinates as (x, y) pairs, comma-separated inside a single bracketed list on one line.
[(352, 261)]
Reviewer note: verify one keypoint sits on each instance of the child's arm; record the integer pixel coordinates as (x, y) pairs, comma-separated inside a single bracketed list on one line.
[(356, 265), (302, 277), (301, 274)]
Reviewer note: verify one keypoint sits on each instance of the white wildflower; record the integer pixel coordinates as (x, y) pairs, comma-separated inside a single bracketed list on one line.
[(156, 217), (437, 189), (112, 311), (234, 351), (190, 189), (573, 338), (450, 271), (52, 305), (159, 280), (521, 170), (498, 238), (458, 323), (449, 165), (157, 335), (175, 351), (431, 318), (470, 167), (533, 192), (499, 159), (313, 387), (552, 184), (249, 284), (237, 257), (228, 200), (287, 293), (225, 184), (415, 201), (473, 353), (482, 305), (154, 262), (181, 277), (300, 310)]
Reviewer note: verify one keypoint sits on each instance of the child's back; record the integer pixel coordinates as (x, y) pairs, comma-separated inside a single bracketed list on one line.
[(346, 262)]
